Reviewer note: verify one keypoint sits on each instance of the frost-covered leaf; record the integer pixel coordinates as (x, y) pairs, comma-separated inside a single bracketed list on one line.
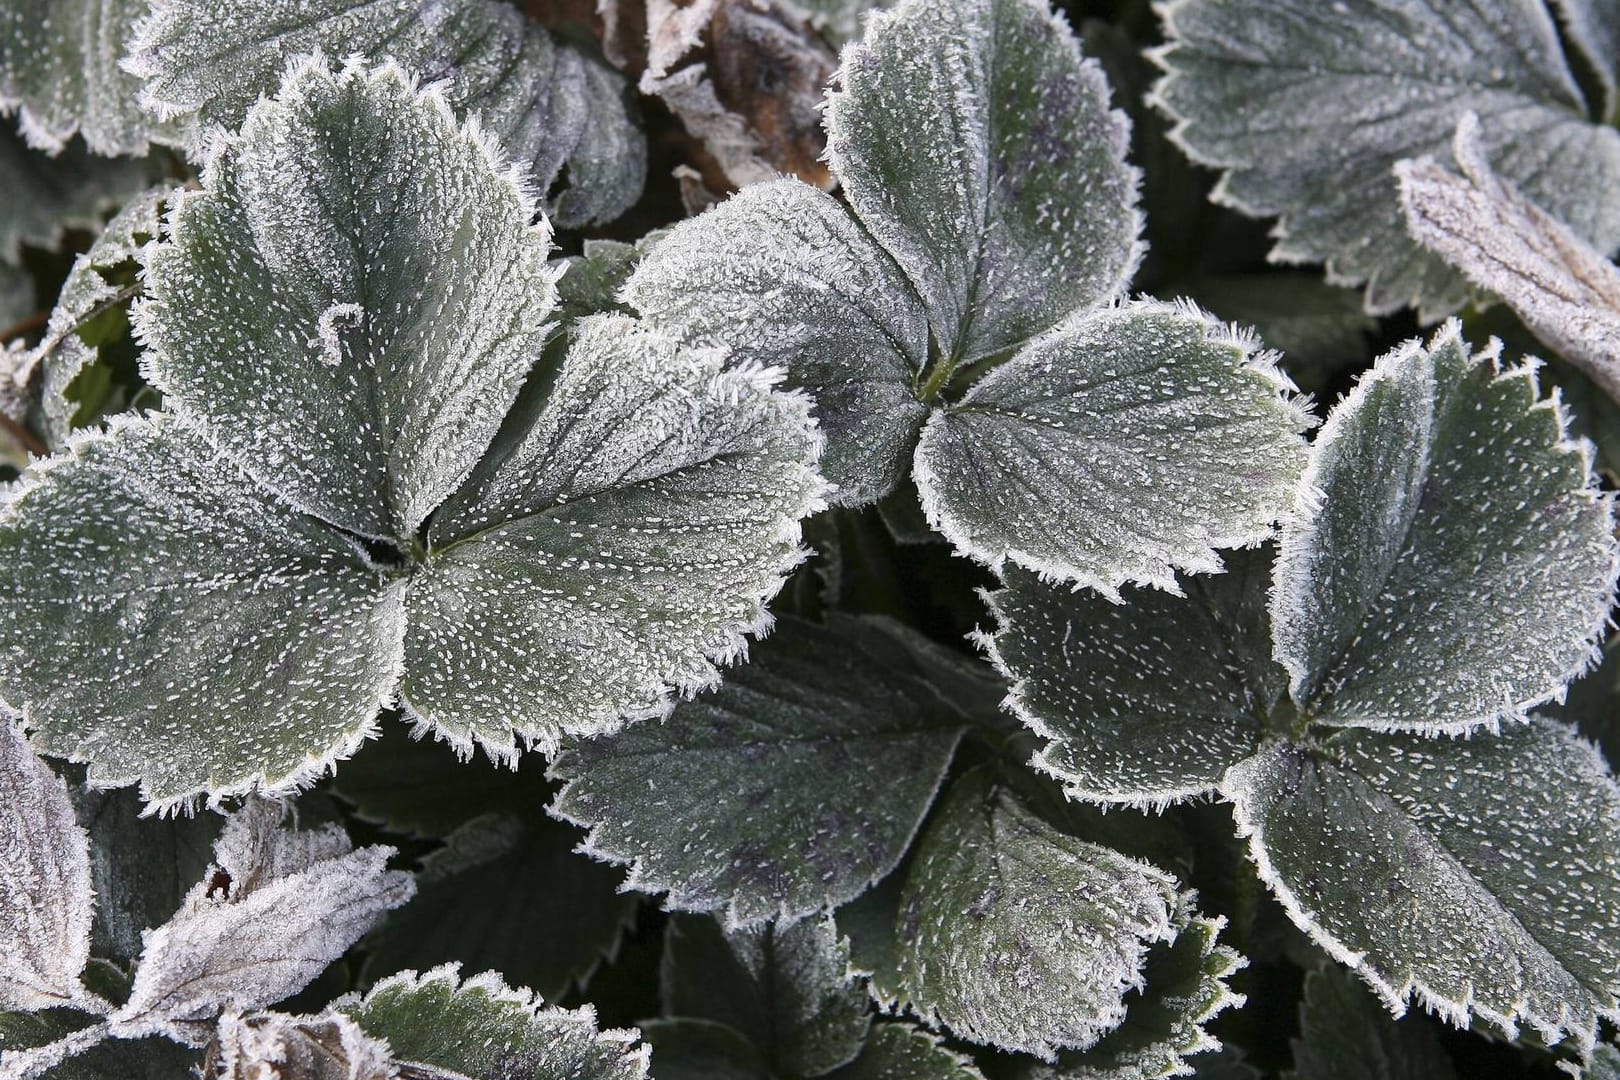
[(59, 67), (1481, 876), (275, 1046), (791, 788), (548, 105), (1566, 292), (898, 1051), (46, 903), (786, 276), (1010, 163), (622, 549), (1134, 441), (785, 988), (1309, 105), (46, 195), (510, 890), (352, 301), (1011, 933), (166, 622), (1146, 702), (1184, 987), (277, 908), (91, 316), (142, 866), (592, 281), (1451, 562), (1345, 1033), (484, 1030)]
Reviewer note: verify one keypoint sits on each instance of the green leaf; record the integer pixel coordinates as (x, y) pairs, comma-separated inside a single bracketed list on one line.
[(785, 275), (1134, 441), (1481, 876), (896, 1051), (508, 890), (791, 788), (378, 266), (1307, 107), (484, 1030), (1148, 702), (166, 622), (46, 903), (549, 106), (701, 1050), (593, 281), (1184, 987), (624, 547), (1013, 934), (1451, 563), (142, 867), (98, 291), (1011, 164), (1346, 1034), (46, 196), (60, 68), (786, 989)]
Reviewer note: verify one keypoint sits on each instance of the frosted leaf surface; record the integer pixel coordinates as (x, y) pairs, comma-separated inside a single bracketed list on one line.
[(167, 623), (620, 552), (46, 195), (484, 1030), (275, 1046), (784, 275), (1481, 875), (1184, 988), (546, 104), (1128, 444), (1148, 701), (45, 897), (1013, 934), (62, 354), (351, 303), (1309, 105), (791, 788), (59, 67), (897, 1051), (787, 989), (1011, 164), (1345, 1033), (1459, 564), (1566, 292), (279, 906)]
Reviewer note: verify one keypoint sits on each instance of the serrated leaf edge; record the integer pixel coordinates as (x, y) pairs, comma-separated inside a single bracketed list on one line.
[(1311, 497), (1252, 358), (1397, 999)]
